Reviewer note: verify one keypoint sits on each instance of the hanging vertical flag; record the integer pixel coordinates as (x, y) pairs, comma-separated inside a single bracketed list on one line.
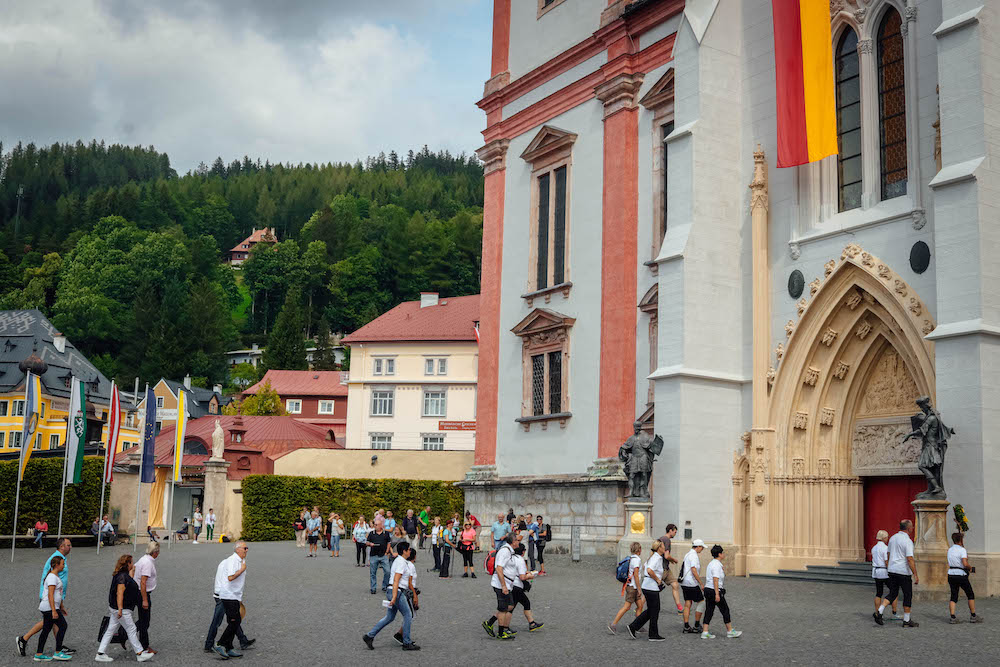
[(149, 439), (32, 397), (180, 433), (803, 60), (114, 426), (477, 332), (76, 431)]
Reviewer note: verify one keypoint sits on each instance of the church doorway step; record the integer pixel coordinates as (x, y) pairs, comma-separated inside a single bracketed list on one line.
[(886, 502)]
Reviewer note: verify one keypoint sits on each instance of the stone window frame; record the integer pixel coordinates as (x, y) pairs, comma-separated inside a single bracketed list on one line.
[(660, 101), (544, 9), (444, 402), (550, 150), (544, 331)]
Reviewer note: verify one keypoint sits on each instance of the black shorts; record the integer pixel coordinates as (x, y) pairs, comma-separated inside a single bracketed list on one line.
[(900, 582), (313, 539), (505, 601), (960, 581), (520, 598), (880, 587), (692, 593)]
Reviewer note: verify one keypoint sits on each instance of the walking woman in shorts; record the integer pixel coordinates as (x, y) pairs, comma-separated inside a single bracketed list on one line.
[(360, 536), (630, 589), (958, 578), (715, 596), (652, 584), (467, 545), (123, 598), (54, 613), (880, 556)]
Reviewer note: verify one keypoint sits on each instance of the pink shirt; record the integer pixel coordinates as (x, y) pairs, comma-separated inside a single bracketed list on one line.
[(42, 526)]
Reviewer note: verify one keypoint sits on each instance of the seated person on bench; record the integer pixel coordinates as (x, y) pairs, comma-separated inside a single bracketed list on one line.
[(107, 531), (182, 533)]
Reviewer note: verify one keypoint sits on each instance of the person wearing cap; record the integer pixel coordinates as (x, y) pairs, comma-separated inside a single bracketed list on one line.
[(691, 586)]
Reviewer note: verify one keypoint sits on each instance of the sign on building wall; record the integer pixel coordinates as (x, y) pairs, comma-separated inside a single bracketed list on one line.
[(456, 426)]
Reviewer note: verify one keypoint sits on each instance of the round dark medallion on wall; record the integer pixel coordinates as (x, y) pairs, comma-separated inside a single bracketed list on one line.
[(920, 257), (796, 283)]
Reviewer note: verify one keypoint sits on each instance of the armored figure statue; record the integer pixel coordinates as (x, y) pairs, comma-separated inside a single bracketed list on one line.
[(933, 434), (218, 441), (638, 454)]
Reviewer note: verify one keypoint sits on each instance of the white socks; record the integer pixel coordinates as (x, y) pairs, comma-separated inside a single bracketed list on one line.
[(881, 609), (906, 616)]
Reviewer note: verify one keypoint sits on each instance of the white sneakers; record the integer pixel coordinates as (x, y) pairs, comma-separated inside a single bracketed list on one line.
[(733, 634), (194, 541), (144, 656), (103, 657)]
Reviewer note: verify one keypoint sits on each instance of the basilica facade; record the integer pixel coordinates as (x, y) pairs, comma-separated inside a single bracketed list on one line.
[(643, 258)]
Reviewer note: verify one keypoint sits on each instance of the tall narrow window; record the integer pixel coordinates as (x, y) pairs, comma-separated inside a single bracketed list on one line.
[(542, 268), (538, 384), (555, 382), (891, 105), (848, 122), (559, 229), (665, 131)]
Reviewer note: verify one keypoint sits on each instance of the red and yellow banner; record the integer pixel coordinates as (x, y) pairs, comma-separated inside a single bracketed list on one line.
[(803, 59)]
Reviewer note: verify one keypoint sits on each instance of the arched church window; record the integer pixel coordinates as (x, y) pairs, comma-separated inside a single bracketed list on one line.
[(891, 105), (849, 174)]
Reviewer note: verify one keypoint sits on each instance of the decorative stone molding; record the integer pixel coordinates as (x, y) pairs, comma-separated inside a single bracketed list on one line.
[(814, 287), (801, 420), (661, 94), (860, 15), (484, 473), (779, 352), (915, 307), (927, 327), (853, 299), (826, 416), (828, 337), (798, 467), (789, 328), (842, 369), (759, 498), (864, 328), (613, 12), (494, 155), (866, 259), (801, 306), (811, 376), (910, 14), (824, 468), (879, 446), (547, 293), (889, 389), (747, 438), (829, 267), (794, 251), (864, 46), (851, 250), (543, 332), (900, 287), (771, 374), (620, 93), (918, 215), (758, 185), (496, 83), (549, 142), (883, 272), (607, 468)]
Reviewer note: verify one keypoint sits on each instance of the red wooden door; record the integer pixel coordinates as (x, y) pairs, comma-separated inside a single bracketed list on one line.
[(886, 503)]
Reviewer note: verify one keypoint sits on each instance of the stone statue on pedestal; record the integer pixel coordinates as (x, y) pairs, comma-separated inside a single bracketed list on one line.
[(638, 454), (933, 434), (218, 441)]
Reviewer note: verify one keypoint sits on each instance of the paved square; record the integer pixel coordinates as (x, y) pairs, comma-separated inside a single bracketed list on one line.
[(312, 611)]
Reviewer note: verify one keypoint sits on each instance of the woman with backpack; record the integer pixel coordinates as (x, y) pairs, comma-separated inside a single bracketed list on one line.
[(544, 535), (630, 587), (360, 536), (652, 584), (300, 529), (123, 598)]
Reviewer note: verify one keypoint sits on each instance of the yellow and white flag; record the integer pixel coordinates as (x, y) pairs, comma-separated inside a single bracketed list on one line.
[(180, 433)]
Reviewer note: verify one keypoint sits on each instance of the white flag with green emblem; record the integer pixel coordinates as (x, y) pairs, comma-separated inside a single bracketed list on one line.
[(76, 432)]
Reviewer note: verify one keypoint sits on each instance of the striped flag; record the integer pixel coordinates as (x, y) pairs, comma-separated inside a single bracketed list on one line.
[(803, 60), (477, 332), (76, 431), (149, 439), (180, 432), (114, 426), (32, 397)]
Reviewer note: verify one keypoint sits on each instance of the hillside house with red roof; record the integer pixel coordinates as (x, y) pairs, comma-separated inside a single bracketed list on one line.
[(241, 251), (312, 397), (413, 376)]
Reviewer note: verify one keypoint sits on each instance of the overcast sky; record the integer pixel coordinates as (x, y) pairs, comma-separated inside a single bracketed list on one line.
[(284, 80)]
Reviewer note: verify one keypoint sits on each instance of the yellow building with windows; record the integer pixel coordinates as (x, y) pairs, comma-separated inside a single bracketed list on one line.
[(28, 341), (413, 377)]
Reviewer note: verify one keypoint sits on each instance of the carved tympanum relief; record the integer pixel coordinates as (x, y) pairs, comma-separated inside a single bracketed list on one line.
[(879, 446), (890, 389)]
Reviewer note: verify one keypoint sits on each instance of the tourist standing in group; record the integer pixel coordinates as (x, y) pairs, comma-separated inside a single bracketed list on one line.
[(675, 588), (359, 533), (715, 596), (544, 535), (63, 547), (510, 515), (210, 524), (436, 541), (630, 589), (448, 538), (336, 528), (410, 526), (423, 523), (390, 521), (230, 579), (652, 584), (41, 529), (467, 545), (397, 602), (532, 539), (145, 573), (53, 612), (880, 572), (501, 529), (300, 529), (123, 598), (691, 586), (471, 518), (313, 525), (902, 573), (958, 578), (197, 523), (395, 539), (504, 573), (378, 544)]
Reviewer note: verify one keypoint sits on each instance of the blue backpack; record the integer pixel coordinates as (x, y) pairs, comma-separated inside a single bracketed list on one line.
[(621, 572)]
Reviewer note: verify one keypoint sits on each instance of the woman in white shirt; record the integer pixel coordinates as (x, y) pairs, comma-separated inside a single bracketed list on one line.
[(880, 559), (360, 536), (397, 601), (53, 612), (958, 578), (652, 584), (715, 596), (436, 541), (522, 584), (630, 589)]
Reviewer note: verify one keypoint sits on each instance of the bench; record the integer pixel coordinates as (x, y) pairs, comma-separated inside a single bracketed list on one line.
[(50, 539)]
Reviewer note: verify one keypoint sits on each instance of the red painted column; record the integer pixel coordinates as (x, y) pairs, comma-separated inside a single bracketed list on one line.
[(619, 261), (501, 36)]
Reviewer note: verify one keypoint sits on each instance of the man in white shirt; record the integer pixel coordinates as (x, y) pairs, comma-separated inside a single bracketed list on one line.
[(198, 518), (145, 574), (902, 572), (395, 594), (230, 578), (691, 586), (958, 578), (209, 524), (504, 573)]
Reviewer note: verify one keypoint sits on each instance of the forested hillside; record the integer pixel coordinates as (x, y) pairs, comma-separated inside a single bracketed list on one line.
[(125, 256)]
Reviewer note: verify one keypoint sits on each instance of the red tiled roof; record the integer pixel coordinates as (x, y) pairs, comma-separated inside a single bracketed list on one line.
[(256, 237), (453, 319), (304, 383)]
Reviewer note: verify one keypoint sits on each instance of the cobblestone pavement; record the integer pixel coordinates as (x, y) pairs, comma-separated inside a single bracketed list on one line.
[(311, 611)]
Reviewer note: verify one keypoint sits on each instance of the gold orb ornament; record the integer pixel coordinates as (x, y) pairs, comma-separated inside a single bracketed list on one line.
[(638, 523)]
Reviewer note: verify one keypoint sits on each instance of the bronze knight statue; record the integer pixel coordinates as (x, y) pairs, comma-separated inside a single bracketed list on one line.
[(933, 434), (638, 454)]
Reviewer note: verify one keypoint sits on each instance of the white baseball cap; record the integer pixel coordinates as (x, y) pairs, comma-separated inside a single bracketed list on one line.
[(698, 543)]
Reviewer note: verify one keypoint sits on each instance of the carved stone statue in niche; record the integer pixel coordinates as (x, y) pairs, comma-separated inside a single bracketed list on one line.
[(933, 434), (638, 454)]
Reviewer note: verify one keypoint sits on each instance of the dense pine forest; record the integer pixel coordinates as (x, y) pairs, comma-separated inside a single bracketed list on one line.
[(125, 256)]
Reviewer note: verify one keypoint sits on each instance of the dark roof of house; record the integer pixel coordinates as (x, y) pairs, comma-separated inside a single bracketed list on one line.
[(22, 331), (200, 398)]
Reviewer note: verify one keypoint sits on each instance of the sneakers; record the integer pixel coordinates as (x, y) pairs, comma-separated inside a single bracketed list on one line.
[(103, 657), (613, 629), (67, 649), (146, 656), (896, 617), (398, 637), (505, 634), (411, 647), (369, 642), (878, 618), (489, 629), (22, 646), (233, 653), (707, 635), (631, 632), (250, 642), (473, 575), (697, 628), (733, 634), (465, 576), (910, 624), (688, 630), (42, 657), (62, 656), (535, 626), (976, 619), (657, 638), (218, 649), (955, 621)]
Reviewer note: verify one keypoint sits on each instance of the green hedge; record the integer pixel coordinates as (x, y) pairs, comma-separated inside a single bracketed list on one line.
[(40, 495), (271, 503)]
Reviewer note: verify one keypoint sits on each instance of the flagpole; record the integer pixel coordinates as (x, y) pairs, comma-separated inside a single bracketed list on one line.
[(20, 463), (142, 452), (62, 495), (109, 451), (13, 533)]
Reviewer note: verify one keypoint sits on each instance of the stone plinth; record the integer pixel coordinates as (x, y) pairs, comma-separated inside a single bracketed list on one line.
[(215, 491), (930, 549), (638, 526)]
